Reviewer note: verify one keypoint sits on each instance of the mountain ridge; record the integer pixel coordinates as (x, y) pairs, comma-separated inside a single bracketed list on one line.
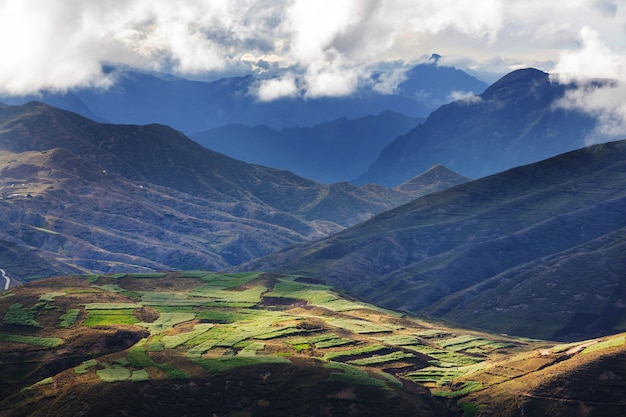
[(513, 122), (419, 255), (194, 106), (334, 151), (107, 197)]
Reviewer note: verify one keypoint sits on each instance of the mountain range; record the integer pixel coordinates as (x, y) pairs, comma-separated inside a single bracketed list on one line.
[(339, 150), (515, 121), (196, 106), (101, 197), (536, 251), (134, 216)]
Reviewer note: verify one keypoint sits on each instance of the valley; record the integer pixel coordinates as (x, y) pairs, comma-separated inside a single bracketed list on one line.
[(137, 263), (99, 197)]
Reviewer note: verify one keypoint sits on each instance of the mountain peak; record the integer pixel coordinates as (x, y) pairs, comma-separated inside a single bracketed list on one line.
[(436, 178), (517, 81)]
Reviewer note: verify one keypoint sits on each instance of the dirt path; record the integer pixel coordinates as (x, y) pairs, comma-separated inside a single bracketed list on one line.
[(7, 280)]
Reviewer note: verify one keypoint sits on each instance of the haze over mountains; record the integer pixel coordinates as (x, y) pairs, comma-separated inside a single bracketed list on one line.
[(195, 106), (339, 150)]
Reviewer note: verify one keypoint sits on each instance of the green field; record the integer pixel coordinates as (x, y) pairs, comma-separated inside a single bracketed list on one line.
[(180, 326)]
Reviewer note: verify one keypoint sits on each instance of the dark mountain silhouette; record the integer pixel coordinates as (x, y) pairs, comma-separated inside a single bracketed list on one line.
[(330, 152), (514, 122), (102, 197), (536, 251), (196, 106)]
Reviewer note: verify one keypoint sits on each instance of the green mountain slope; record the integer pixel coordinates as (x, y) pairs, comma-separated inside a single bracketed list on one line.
[(535, 251), (255, 344)]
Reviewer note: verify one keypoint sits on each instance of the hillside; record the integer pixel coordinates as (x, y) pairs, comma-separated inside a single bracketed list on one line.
[(110, 198), (536, 251), (263, 344), (513, 122), (339, 150)]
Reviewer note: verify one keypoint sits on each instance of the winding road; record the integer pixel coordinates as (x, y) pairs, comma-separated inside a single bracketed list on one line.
[(7, 282)]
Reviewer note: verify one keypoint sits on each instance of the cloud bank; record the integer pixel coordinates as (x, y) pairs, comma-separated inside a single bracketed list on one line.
[(600, 74), (303, 48)]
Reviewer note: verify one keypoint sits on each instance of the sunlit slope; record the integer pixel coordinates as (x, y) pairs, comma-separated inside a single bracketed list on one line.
[(282, 344), (257, 344)]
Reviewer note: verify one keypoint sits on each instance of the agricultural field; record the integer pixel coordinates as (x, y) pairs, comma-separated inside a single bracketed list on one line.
[(173, 328)]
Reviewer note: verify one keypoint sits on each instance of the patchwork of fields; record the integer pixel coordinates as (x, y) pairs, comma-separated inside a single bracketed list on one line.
[(190, 325)]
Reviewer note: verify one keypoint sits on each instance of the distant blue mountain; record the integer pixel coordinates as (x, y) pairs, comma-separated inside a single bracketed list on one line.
[(196, 106), (514, 122), (435, 85), (329, 152)]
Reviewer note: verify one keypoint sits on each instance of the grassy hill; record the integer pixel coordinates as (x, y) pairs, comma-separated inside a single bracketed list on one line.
[(536, 251), (262, 344)]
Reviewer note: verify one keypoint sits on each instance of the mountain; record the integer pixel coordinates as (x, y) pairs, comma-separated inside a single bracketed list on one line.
[(196, 106), (514, 122), (329, 152), (436, 85), (99, 197), (196, 343), (537, 251), (437, 178)]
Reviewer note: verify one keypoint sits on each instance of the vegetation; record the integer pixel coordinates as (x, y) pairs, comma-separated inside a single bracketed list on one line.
[(22, 316), (50, 342), (221, 364), (104, 318), (83, 367), (172, 332), (352, 375), (378, 359), (606, 344), (69, 318)]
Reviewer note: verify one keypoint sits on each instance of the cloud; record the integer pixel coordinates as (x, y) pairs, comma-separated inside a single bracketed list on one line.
[(600, 78), (388, 82), (594, 59), (57, 45), (276, 88), (464, 96), (329, 47)]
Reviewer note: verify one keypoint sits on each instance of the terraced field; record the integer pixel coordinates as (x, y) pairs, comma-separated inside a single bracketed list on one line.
[(63, 337)]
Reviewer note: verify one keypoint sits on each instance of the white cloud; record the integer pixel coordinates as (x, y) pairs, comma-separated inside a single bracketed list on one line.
[(331, 78), (464, 96), (388, 82), (600, 74), (63, 44), (328, 45), (276, 88), (594, 59)]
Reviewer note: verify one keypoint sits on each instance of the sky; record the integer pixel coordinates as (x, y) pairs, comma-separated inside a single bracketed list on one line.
[(312, 48)]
